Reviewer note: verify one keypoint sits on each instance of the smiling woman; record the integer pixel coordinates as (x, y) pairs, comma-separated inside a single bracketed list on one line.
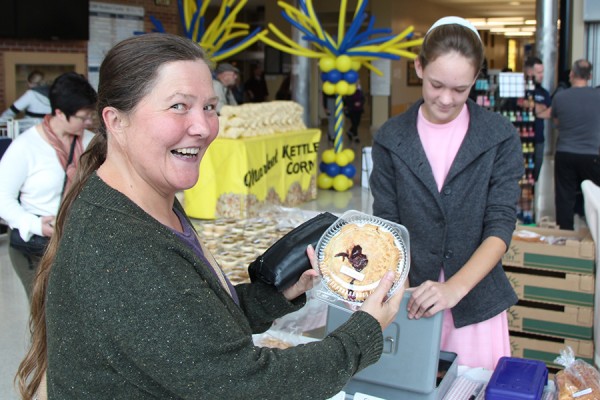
[(128, 287)]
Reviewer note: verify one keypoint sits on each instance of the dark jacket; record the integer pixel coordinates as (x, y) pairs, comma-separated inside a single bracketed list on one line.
[(478, 200), (133, 313)]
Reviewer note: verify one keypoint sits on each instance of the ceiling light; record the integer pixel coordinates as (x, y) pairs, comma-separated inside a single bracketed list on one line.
[(509, 34), (507, 20), (504, 29)]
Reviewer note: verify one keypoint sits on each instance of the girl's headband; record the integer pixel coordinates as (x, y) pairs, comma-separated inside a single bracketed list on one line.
[(454, 20)]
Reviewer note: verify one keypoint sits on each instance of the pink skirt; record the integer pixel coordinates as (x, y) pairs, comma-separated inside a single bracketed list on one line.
[(479, 345)]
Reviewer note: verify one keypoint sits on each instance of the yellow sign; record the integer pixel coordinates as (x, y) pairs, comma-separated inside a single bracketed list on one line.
[(239, 177)]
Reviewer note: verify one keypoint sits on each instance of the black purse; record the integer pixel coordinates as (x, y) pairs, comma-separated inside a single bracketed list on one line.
[(285, 261), (35, 246)]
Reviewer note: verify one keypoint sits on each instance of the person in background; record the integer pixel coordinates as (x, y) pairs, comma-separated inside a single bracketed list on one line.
[(354, 106), (329, 108), (449, 170), (39, 166), (238, 90), (575, 114), (34, 103), (534, 70), (224, 80), (129, 303), (285, 89), (255, 87)]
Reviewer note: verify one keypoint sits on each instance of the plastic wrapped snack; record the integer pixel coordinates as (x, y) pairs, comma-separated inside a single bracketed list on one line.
[(579, 380)]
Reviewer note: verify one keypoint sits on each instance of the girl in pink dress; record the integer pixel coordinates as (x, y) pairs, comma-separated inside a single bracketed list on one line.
[(448, 170)]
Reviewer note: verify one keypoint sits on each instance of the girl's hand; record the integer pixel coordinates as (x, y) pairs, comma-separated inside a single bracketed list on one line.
[(306, 280), (430, 298)]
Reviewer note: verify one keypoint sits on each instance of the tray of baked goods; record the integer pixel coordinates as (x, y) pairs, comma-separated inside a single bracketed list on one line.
[(235, 243), (354, 254)]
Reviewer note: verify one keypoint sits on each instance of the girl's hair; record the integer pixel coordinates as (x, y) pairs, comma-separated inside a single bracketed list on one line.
[(127, 74), (445, 39)]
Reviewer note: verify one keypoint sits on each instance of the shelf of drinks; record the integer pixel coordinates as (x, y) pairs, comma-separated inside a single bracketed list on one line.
[(520, 112)]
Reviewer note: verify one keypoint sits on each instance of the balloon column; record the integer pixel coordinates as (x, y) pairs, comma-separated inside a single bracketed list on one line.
[(216, 38), (340, 58), (337, 170)]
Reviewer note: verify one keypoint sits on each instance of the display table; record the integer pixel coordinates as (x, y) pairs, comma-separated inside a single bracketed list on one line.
[(239, 177)]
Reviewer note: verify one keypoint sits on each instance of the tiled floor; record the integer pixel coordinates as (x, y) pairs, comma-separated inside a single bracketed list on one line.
[(14, 311)]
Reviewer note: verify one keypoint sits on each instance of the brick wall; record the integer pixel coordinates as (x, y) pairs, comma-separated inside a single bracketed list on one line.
[(168, 15)]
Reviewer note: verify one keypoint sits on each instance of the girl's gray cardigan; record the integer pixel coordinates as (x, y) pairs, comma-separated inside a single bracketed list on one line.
[(478, 200)]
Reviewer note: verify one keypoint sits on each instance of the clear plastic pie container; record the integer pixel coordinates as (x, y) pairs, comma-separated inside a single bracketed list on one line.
[(324, 289)]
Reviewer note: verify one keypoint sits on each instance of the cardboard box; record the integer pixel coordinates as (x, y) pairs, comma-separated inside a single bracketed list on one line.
[(546, 349), (554, 288), (545, 319), (576, 255)]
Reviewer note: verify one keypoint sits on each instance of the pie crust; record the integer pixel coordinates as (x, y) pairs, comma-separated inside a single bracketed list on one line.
[(357, 257)]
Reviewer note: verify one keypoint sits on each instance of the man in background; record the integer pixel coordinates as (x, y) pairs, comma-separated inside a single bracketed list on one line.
[(577, 117), (534, 69), (34, 103), (224, 80), (256, 87)]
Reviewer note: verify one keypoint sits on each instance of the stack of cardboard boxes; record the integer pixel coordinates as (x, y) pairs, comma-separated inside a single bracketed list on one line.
[(555, 285)]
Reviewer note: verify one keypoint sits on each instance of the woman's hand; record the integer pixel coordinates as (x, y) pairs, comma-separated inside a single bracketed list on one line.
[(306, 280), (383, 311), (430, 298), (48, 225)]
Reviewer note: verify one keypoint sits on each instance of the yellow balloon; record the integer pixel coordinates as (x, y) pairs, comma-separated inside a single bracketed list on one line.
[(328, 156), (355, 65), (342, 159), (351, 89), (350, 182), (343, 63), (327, 64), (341, 88), (324, 181), (329, 88), (349, 153), (340, 183)]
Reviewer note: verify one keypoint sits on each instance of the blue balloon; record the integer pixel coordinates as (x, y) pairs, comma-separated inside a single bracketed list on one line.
[(322, 166), (334, 76), (349, 170), (351, 76), (332, 169), (324, 76)]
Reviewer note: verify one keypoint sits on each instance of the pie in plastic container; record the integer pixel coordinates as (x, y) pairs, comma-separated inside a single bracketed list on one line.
[(355, 253)]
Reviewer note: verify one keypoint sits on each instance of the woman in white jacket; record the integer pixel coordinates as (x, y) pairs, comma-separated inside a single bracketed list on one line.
[(38, 166)]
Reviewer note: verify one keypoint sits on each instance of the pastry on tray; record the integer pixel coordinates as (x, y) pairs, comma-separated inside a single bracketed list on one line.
[(357, 257)]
